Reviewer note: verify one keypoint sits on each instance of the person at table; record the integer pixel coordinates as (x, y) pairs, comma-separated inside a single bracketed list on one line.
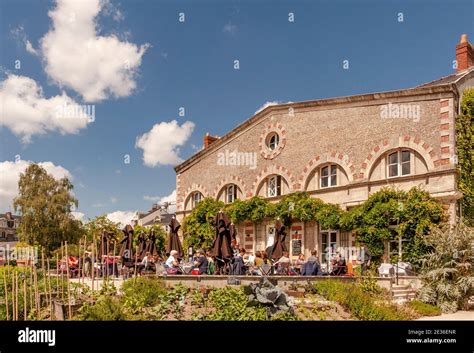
[(258, 260), (147, 262), (299, 263), (172, 263), (340, 267), (201, 262), (283, 263), (210, 263)]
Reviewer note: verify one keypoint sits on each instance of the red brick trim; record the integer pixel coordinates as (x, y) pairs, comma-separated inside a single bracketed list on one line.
[(334, 157), (446, 132), (193, 188), (406, 141), (232, 179), (269, 128), (273, 170)]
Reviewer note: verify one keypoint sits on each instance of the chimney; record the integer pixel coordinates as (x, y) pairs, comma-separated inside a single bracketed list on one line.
[(209, 139), (464, 54)]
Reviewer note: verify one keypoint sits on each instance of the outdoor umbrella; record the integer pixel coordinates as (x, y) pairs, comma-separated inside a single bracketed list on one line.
[(173, 239), (225, 234), (141, 245), (151, 246), (279, 245), (126, 243)]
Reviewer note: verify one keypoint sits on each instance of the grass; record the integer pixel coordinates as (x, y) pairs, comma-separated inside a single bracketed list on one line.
[(359, 303), (425, 309)]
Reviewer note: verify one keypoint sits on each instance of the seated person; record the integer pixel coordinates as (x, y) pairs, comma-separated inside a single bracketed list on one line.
[(238, 266), (312, 267), (340, 267), (201, 262), (172, 264), (283, 263)]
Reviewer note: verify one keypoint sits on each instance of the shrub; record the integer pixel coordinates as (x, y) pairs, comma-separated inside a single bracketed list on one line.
[(105, 309), (230, 304), (360, 304), (424, 309), (447, 271), (143, 291)]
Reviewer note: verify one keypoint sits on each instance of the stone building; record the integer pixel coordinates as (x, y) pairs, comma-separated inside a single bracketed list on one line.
[(158, 215), (9, 224), (340, 150)]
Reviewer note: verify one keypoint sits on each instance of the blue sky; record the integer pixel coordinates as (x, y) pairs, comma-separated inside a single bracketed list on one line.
[(190, 64)]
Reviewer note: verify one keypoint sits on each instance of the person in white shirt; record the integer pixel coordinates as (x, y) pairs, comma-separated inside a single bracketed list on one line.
[(172, 261)]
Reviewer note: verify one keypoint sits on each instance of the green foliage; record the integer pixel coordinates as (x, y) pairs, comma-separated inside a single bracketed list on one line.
[(107, 308), (95, 227), (424, 309), (410, 214), (448, 271), (360, 304), (465, 154), (231, 304), (45, 205), (197, 227), (142, 291)]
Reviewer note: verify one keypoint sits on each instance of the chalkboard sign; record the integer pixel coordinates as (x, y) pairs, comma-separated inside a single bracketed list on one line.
[(296, 247)]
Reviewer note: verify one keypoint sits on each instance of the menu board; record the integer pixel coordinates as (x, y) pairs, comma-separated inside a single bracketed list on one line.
[(296, 247)]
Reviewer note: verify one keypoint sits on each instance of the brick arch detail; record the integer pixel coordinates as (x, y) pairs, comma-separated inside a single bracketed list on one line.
[(340, 159), (415, 143), (274, 169), (269, 128), (230, 180), (193, 188)]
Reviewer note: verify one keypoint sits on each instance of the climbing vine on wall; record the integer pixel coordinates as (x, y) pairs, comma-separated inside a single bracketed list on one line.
[(464, 151)]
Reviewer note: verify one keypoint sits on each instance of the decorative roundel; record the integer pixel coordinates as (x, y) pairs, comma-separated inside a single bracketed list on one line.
[(272, 140)]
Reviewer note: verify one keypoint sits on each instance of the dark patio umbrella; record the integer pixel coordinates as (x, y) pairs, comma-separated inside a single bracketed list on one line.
[(126, 243), (225, 234), (151, 243), (141, 245), (279, 246), (173, 240)]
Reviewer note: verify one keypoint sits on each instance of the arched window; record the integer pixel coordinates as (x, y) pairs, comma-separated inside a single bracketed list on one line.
[(274, 186), (273, 139), (399, 163), (328, 176), (196, 197), (231, 193)]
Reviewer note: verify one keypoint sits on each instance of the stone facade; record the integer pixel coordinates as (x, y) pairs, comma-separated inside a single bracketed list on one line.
[(9, 224), (353, 134)]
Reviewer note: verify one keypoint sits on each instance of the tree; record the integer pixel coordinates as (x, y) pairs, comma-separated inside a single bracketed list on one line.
[(465, 155), (99, 224), (45, 206), (447, 270), (389, 214)]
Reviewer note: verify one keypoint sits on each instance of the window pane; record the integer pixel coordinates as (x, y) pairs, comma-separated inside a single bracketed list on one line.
[(405, 156), (333, 170), (333, 180), (393, 170), (406, 168), (325, 171), (393, 158), (333, 237), (324, 182)]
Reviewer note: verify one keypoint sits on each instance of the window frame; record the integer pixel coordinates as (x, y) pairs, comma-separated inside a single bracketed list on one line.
[(194, 196), (330, 168), (399, 163), (273, 136), (232, 195), (276, 181)]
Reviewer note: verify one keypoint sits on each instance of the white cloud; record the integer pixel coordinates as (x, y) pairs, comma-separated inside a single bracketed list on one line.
[(26, 112), (75, 56), (230, 28), (269, 103), (161, 144), (113, 199), (122, 217), (10, 174), (19, 34), (78, 215)]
